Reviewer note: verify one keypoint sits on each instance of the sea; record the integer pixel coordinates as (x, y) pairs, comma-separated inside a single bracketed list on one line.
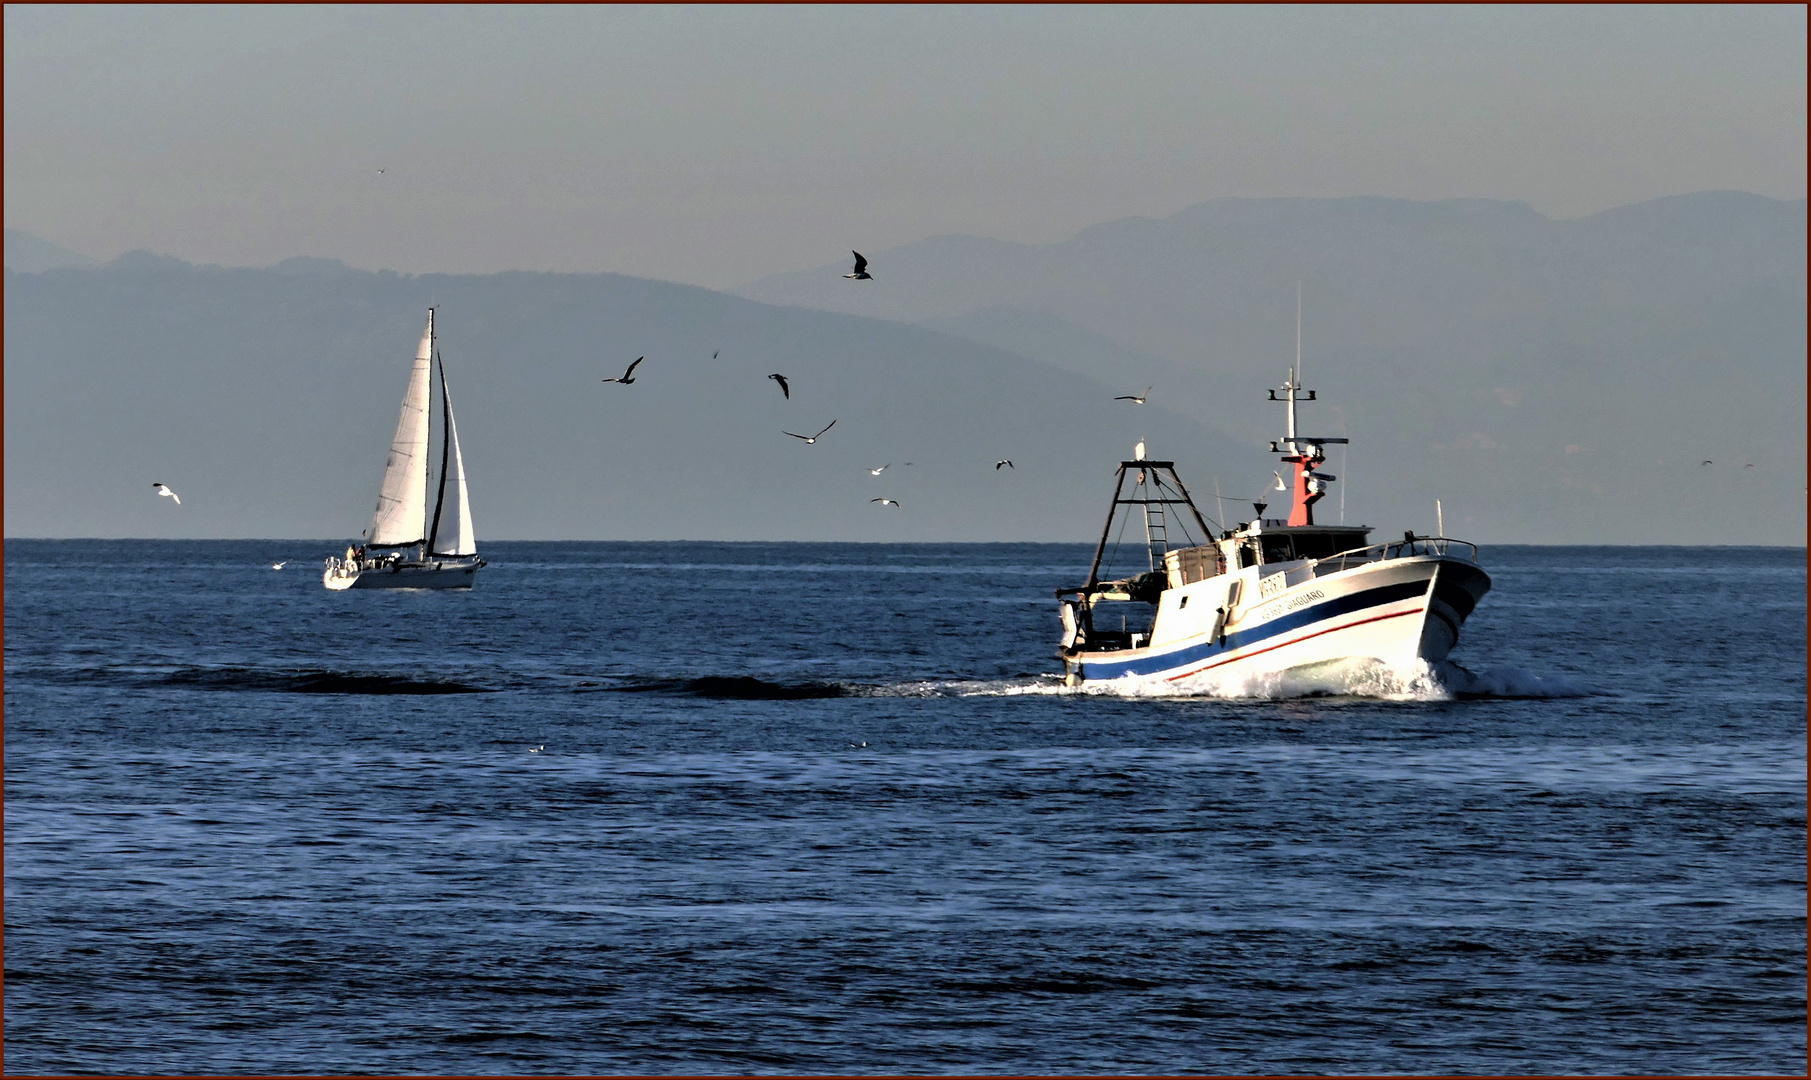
[(736, 808)]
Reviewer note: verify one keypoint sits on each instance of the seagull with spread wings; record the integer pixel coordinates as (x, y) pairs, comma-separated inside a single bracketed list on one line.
[(861, 268), (810, 439), (784, 388), (162, 490), (1135, 399), (883, 468), (1007, 462), (629, 375), (886, 502)]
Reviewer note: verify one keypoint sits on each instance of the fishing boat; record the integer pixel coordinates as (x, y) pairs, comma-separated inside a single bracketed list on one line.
[(405, 548), (1270, 596)]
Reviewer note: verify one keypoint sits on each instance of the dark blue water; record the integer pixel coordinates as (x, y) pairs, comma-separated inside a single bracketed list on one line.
[(603, 814)]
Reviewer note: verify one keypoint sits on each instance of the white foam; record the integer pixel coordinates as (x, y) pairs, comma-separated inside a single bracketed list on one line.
[(1511, 682), (1416, 681)]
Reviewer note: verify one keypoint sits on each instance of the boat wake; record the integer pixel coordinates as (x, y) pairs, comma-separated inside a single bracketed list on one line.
[(233, 678), (1418, 681), (732, 688)]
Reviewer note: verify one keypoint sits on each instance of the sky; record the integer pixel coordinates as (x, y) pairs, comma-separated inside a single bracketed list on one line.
[(715, 146)]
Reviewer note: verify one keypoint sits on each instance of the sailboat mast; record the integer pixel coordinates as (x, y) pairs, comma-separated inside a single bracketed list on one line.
[(427, 464)]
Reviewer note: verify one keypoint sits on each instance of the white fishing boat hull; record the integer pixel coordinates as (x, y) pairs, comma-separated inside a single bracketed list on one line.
[(433, 574), (1389, 612), (1272, 596)]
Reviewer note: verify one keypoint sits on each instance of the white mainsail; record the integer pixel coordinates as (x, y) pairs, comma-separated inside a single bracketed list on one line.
[(453, 511), (401, 516)]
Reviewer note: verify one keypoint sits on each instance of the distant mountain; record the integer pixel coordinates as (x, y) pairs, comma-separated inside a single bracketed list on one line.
[(1054, 340), (1553, 380), (267, 399), (30, 255)]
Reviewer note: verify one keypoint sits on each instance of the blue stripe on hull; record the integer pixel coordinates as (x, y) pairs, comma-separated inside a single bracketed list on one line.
[(1206, 650)]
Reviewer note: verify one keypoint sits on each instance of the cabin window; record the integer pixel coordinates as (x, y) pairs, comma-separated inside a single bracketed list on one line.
[(1248, 554), (1287, 546), (1180, 604)]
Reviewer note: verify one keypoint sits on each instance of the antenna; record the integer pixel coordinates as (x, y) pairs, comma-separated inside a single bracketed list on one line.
[(1298, 334), (1439, 519)]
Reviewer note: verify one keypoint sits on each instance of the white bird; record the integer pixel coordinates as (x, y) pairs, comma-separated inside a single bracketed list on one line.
[(883, 468), (1135, 399), (1280, 485), (380, 172), (809, 439), (162, 490), (861, 268), (886, 502), (859, 745), (629, 375), (279, 565), (537, 749), (1006, 462)]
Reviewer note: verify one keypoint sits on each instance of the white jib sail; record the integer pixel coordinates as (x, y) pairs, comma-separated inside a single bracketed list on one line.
[(453, 513), (401, 516)]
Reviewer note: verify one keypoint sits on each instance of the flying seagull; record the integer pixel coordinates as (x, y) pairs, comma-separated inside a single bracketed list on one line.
[(714, 353), (1006, 462), (161, 490), (812, 438), (1138, 400), (1280, 485), (883, 468), (1707, 461), (886, 502), (629, 375), (279, 565), (861, 268), (784, 388)]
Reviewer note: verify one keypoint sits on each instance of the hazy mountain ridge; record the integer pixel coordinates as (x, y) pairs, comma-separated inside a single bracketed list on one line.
[(1551, 381), (267, 398), (30, 254), (1465, 343)]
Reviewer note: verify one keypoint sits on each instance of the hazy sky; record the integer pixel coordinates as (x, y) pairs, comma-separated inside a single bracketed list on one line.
[(717, 145)]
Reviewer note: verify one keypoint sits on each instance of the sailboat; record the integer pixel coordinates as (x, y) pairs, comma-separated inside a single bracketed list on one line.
[(405, 548)]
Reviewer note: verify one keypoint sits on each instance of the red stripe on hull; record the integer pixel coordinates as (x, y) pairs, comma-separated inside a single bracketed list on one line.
[(1294, 641)]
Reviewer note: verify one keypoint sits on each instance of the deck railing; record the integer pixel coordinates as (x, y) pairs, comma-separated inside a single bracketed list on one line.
[(1407, 547)]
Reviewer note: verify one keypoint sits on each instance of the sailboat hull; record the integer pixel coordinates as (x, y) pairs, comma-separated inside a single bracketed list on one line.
[(435, 574)]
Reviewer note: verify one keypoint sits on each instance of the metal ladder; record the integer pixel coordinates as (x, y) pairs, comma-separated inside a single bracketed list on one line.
[(1156, 537)]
